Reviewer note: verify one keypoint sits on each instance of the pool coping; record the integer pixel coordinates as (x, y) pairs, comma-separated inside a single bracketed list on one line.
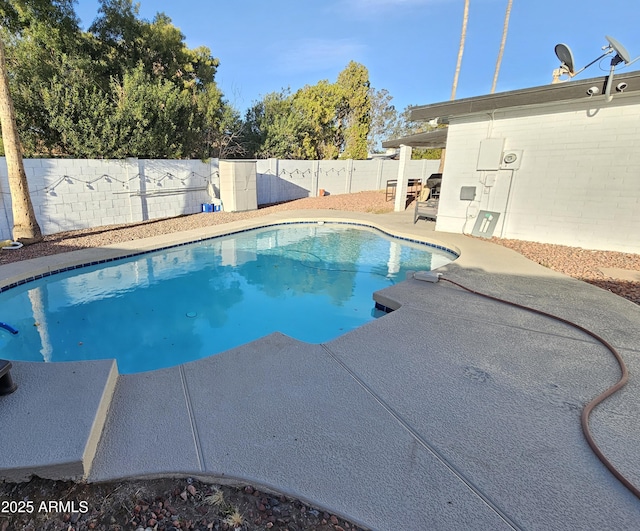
[(384, 401)]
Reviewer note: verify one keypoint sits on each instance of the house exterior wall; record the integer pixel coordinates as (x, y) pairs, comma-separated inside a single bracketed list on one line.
[(578, 183)]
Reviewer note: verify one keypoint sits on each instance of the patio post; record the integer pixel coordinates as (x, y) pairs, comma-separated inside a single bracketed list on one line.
[(401, 188)]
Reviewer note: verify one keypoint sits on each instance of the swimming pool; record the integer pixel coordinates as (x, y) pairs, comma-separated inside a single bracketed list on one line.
[(313, 282)]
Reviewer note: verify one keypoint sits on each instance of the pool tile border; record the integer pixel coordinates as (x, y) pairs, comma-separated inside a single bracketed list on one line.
[(239, 231)]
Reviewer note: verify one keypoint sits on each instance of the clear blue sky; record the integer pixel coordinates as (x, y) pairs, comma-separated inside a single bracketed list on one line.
[(409, 46)]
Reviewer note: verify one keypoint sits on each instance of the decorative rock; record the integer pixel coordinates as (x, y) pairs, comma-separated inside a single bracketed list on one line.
[(192, 490), (184, 495), (334, 520)]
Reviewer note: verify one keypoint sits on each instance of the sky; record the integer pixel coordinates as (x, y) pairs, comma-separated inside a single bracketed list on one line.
[(410, 47)]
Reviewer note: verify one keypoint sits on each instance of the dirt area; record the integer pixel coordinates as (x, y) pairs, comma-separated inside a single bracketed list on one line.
[(173, 504), (162, 504)]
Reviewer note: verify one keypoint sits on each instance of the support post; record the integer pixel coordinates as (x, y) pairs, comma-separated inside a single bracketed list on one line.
[(401, 188)]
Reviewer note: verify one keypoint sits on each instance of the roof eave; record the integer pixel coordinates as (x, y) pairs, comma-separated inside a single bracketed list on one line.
[(431, 139), (566, 91)]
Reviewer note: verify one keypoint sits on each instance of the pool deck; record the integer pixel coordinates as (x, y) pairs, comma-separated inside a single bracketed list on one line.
[(452, 412)]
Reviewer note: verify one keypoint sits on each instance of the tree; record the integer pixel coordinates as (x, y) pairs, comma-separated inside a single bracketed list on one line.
[(456, 75), (224, 131), (321, 121), (505, 29), (25, 225), (384, 118), (80, 93), (463, 36), (354, 110), (316, 109), (16, 16), (275, 127)]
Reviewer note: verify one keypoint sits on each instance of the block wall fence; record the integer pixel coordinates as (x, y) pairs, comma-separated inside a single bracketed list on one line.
[(70, 194)]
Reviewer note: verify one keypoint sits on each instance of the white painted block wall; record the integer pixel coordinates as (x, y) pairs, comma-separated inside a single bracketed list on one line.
[(579, 180), (70, 194)]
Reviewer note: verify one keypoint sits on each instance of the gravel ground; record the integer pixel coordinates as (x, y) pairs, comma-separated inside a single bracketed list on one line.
[(373, 202), (583, 264), (172, 504), (155, 505)]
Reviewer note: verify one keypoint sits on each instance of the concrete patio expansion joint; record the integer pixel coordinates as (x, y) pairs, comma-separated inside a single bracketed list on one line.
[(425, 444), (192, 420)]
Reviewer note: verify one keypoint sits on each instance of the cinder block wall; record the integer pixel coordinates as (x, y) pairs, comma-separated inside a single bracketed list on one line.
[(579, 179), (285, 180), (69, 194)]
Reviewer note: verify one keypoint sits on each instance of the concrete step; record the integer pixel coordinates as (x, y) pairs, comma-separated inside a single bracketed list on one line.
[(50, 426)]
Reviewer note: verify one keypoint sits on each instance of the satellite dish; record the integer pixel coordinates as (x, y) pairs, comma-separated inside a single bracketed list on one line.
[(620, 50), (567, 65), (563, 52)]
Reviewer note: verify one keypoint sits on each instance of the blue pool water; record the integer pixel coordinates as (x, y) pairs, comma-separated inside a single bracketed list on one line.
[(310, 281)]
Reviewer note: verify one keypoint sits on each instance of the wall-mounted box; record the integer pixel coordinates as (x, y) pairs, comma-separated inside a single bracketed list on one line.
[(490, 154), (467, 193), (511, 159)]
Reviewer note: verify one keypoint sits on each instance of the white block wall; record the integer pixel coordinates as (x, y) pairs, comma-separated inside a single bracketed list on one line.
[(285, 180), (69, 194), (579, 180)]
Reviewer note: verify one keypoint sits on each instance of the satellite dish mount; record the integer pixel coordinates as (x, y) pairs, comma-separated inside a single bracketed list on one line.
[(567, 64)]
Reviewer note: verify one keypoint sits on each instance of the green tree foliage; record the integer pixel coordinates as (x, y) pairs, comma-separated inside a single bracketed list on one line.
[(317, 108), (274, 127), (321, 121), (131, 87), (127, 87), (354, 110)]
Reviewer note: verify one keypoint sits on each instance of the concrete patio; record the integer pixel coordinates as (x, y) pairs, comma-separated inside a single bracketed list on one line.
[(451, 412)]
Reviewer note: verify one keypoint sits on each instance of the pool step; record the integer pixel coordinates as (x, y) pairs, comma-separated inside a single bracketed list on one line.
[(50, 426)]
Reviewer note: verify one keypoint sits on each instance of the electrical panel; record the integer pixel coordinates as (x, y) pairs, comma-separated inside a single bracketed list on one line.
[(490, 154)]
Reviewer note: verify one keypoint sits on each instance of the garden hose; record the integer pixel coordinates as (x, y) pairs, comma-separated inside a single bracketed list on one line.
[(586, 412)]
